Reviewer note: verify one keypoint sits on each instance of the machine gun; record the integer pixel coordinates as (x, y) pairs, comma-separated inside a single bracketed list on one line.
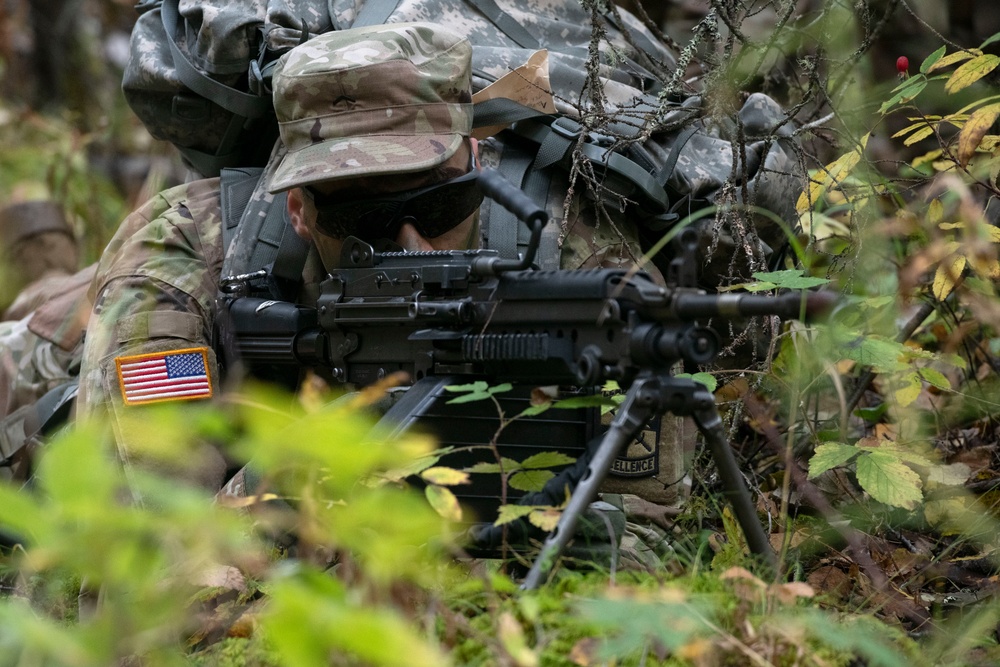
[(447, 317)]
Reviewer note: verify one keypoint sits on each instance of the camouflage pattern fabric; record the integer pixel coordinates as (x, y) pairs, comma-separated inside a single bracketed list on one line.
[(622, 531), (332, 93), (154, 292), (37, 250), (40, 352), (748, 161), (564, 28), (220, 37), (30, 365), (34, 294), (587, 237)]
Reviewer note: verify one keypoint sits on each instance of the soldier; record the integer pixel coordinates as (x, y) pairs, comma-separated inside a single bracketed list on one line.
[(404, 133), (158, 278), (39, 252), (42, 329)]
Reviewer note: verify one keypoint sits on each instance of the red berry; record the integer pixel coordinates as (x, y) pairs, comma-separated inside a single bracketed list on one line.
[(902, 64)]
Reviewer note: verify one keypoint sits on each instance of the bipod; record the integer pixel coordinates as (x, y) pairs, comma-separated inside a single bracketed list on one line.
[(651, 396)]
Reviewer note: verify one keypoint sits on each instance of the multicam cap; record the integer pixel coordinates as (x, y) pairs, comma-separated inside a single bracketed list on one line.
[(386, 99), (25, 219)]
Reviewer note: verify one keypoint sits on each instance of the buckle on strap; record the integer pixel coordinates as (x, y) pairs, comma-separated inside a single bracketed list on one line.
[(566, 127), (563, 133)]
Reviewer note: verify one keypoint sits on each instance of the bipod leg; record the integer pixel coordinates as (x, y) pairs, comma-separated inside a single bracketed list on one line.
[(710, 424), (637, 408)]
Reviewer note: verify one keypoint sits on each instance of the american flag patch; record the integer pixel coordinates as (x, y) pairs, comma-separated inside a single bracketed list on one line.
[(175, 375)]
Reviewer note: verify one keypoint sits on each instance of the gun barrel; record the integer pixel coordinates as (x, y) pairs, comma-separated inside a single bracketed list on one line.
[(793, 305)]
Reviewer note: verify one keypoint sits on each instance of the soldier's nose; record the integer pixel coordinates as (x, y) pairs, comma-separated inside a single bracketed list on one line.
[(411, 240)]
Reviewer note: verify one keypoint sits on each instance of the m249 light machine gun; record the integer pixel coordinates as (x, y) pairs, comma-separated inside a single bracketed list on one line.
[(448, 317)]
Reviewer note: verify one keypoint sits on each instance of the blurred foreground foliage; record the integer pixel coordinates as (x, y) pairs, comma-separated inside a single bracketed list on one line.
[(333, 564)]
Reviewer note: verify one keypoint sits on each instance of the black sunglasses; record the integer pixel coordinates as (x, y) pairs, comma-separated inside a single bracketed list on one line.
[(432, 209)]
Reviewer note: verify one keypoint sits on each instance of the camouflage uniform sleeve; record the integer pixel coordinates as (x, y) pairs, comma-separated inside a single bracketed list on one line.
[(29, 367), (153, 297)]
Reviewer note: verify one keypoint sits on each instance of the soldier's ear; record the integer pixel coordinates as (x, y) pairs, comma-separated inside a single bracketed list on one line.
[(296, 205)]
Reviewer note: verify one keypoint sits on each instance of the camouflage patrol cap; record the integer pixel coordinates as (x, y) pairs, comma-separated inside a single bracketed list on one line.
[(22, 220), (386, 99)]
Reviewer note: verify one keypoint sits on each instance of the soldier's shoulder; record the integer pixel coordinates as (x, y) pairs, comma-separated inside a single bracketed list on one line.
[(195, 201), (192, 192)]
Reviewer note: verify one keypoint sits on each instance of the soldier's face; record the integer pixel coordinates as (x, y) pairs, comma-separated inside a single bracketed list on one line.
[(303, 214)]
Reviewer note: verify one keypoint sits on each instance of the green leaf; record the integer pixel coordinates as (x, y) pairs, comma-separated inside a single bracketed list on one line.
[(477, 386), (888, 480), (830, 455), (953, 359), (510, 513), (706, 379), (546, 460), (909, 391), (530, 480), (854, 635), (535, 410), (902, 454), (881, 354), (872, 414), (910, 82), (990, 40), (470, 397), (790, 279), (414, 467), (953, 58), (21, 514), (477, 391), (509, 465), (931, 59), (935, 377), (759, 286), (909, 92), (595, 401), (307, 626), (877, 303)]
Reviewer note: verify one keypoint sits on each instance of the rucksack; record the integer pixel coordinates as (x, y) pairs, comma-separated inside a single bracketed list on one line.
[(199, 71), (199, 76), (191, 79)]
